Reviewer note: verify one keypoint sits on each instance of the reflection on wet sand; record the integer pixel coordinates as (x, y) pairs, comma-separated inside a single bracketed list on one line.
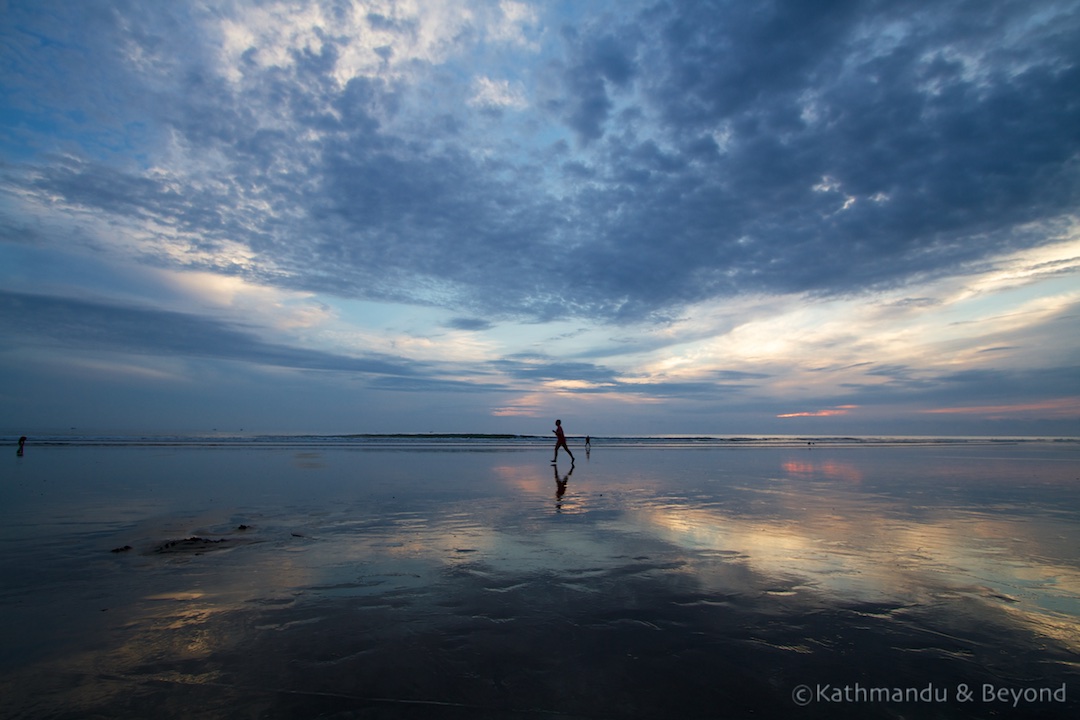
[(655, 584), (850, 554), (829, 469), (560, 485)]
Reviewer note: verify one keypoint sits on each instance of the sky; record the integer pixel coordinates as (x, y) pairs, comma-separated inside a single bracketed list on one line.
[(716, 218)]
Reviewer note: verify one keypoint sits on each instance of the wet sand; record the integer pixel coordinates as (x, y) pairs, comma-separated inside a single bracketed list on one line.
[(650, 582)]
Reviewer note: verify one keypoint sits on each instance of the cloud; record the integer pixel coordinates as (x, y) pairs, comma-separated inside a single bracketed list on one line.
[(901, 142), (923, 178), (599, 66), (829, 412), (1068, 407), (89, 325), (464, 323), (540, 368), (497, 94)]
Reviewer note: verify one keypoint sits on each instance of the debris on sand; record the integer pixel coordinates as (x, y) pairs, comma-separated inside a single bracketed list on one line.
[(192, 544)]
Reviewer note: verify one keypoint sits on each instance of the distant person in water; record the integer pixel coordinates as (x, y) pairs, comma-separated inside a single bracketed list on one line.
[(560, 442), (588, 440), (22, 444)]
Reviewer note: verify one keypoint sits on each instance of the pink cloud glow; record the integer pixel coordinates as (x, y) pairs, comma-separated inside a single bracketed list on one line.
[(829, 412)]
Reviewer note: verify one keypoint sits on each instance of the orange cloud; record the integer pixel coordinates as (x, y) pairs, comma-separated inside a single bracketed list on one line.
[(838, 410)]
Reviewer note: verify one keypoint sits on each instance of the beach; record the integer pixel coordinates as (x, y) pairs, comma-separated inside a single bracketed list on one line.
[(474, 579)]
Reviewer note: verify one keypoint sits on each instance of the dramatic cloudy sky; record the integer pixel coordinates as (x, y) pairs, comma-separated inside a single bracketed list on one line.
[(462, 215)]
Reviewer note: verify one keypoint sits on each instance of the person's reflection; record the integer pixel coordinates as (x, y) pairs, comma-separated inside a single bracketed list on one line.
[(560, 485)]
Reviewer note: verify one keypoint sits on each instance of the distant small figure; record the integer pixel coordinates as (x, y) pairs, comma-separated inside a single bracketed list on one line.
[(560, 441), (588, 441), (22, 445)]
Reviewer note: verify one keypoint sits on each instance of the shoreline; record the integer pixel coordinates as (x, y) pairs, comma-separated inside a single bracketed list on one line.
[(479, 440)]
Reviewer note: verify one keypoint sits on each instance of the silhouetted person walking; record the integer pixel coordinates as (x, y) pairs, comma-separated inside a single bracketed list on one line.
[(560, 442)]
